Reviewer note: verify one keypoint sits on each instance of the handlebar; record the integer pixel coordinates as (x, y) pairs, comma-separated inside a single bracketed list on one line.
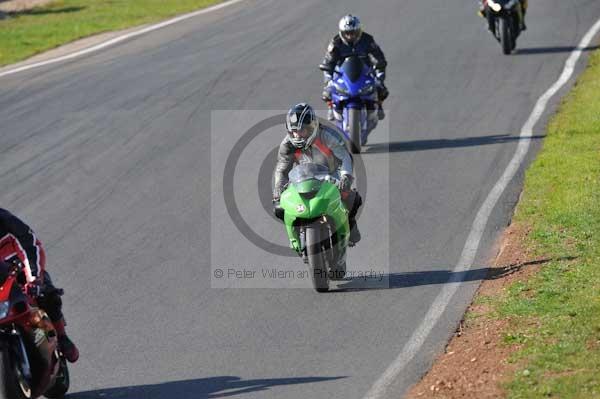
[(15, 266)]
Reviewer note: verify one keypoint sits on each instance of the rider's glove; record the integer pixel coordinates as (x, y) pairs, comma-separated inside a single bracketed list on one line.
[(345, 183), (33, 289), (276, 195), (277, 209)]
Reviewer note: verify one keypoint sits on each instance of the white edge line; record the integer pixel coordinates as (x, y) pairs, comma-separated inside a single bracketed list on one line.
[(118, 39), (416, 341)]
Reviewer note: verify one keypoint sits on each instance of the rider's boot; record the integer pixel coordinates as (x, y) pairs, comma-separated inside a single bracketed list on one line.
[(380, 112), (354, 233), (521, 10), (338, 272), (67, 347)]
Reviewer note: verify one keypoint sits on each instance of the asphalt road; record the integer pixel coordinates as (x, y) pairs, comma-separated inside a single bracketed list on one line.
[(117, 161)]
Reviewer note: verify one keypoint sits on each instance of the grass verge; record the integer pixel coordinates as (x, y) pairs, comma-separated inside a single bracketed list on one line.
[(26, 33), (555, 315)]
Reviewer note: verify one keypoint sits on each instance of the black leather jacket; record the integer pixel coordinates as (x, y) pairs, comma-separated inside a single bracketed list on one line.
[(17, 239), (366, 47)]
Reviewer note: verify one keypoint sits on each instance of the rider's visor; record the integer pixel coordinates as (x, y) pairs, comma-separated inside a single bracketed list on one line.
[(305, 132), (350, 36)]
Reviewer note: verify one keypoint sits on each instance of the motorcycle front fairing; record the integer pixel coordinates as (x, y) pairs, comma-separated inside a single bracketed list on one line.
[(353, 87), (502, 8), (14, 304), (27, 332), (14, 309), (310, 197)]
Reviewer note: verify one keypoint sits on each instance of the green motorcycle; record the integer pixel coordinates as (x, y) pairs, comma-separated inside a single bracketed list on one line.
[(316, 222)]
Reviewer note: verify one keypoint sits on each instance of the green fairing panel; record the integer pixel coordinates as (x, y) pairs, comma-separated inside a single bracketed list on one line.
[(308, 186), (326, 202)]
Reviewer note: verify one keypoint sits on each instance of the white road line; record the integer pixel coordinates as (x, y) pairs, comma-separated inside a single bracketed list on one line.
[(119, 39), (378, 390)]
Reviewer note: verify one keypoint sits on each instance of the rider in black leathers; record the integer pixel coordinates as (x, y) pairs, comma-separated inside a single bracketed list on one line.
[(351, 40), (483, 12), (19, 242)]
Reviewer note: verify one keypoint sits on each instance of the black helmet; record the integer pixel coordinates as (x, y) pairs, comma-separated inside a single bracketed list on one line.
[(350, 29), (302, 125)]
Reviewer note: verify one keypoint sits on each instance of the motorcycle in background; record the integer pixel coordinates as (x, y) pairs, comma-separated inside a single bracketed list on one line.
[(505, 20), (353, 89)]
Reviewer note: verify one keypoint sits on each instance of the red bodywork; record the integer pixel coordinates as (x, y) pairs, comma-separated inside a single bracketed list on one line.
[(26, 318)]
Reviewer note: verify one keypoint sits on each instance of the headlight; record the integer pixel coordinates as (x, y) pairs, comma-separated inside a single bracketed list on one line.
[(494, 6), (341, 89), (4, 308), (366, 90)]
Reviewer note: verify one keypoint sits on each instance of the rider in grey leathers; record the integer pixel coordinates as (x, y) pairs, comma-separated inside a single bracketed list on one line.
[(308, 141)]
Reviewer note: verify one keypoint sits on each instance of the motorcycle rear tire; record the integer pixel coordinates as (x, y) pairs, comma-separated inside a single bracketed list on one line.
[(316, 258)]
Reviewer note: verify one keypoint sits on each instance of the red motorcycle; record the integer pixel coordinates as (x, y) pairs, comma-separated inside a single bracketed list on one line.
[(31, 364)]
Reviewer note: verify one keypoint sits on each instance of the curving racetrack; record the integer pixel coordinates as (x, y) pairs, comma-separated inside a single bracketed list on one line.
[(112, 160)]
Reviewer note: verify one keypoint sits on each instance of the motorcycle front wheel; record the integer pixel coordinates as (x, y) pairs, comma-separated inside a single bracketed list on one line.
[(506, 39), (355, 128), (13, 384), (316, 258)]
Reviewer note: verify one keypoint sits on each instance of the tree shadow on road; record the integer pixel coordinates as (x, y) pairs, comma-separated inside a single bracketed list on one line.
[(203, 388), (423, 145), (552, 50), (433, 277)]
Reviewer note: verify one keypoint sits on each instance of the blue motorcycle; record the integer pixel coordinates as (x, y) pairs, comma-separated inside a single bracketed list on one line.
[(353, 89)]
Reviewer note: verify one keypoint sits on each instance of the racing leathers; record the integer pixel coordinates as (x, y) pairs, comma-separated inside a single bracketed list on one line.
[(19, 242), (327, 149), (366, 48)]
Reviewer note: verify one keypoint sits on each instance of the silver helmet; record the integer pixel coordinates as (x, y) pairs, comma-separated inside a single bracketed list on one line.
[(350, 29)]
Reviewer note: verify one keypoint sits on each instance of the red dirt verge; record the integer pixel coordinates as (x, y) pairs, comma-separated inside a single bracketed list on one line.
[(475, 364)]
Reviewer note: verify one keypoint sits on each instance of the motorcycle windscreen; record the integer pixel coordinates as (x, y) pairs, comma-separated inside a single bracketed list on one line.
[(308, 186), (307, 171), (352, 68)]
